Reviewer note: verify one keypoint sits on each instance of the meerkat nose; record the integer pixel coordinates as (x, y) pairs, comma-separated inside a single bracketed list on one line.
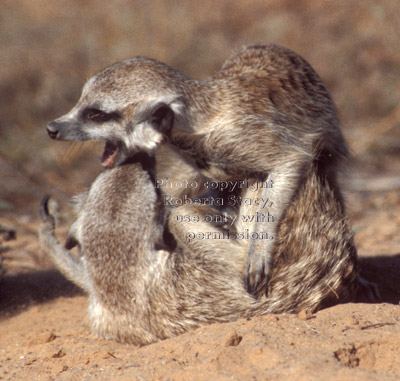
[(53, 130)]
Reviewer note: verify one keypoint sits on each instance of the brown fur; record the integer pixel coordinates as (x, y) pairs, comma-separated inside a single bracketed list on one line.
[(264, 115), (140, 294)]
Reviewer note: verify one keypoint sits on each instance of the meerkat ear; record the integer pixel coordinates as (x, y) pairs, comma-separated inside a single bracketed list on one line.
[(162, 117)]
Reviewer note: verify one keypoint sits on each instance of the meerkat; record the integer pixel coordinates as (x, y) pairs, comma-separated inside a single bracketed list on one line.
[(265, 116), (146, 282), (142, 287)]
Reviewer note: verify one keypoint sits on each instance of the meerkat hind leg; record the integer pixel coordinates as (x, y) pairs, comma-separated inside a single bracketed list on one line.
[(273, 205), (72, 267)]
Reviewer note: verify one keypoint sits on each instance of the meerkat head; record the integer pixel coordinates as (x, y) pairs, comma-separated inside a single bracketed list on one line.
[(130, 105)]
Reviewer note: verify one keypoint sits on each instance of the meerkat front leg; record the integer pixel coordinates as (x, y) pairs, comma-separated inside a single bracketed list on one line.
[(275, 199), (285, 176)]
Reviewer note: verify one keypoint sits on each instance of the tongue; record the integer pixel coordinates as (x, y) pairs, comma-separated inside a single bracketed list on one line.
[(109, 155)]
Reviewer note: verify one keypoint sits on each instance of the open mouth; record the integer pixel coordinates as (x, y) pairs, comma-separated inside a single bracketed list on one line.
[(109, 155)]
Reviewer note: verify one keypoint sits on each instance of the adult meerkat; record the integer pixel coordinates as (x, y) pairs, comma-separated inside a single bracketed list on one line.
[(144, 286), (265, 115)]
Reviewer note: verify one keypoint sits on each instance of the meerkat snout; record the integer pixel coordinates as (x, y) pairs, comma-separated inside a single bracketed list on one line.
[(52, 130), (124, 132)]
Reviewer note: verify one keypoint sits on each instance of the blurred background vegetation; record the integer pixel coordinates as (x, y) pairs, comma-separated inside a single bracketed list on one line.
[(50, 48)]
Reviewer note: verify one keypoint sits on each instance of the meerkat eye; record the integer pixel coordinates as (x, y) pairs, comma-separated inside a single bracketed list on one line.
[(98, 116)]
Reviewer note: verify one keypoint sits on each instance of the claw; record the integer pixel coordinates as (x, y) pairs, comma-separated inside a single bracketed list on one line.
[(254, 278), (44, 207)]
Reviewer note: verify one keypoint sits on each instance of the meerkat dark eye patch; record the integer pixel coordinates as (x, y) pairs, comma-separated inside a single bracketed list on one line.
[(162, 117), (98, 116)]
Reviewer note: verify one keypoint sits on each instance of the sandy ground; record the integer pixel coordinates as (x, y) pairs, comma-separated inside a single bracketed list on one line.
[(44, 335), (49, 50)]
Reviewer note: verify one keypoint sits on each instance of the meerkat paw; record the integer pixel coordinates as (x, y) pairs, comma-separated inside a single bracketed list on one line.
[(256, 272), (367, 291)]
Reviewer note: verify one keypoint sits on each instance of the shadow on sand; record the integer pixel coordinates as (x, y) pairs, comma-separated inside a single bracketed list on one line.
[(384, 271), (18, 292)]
